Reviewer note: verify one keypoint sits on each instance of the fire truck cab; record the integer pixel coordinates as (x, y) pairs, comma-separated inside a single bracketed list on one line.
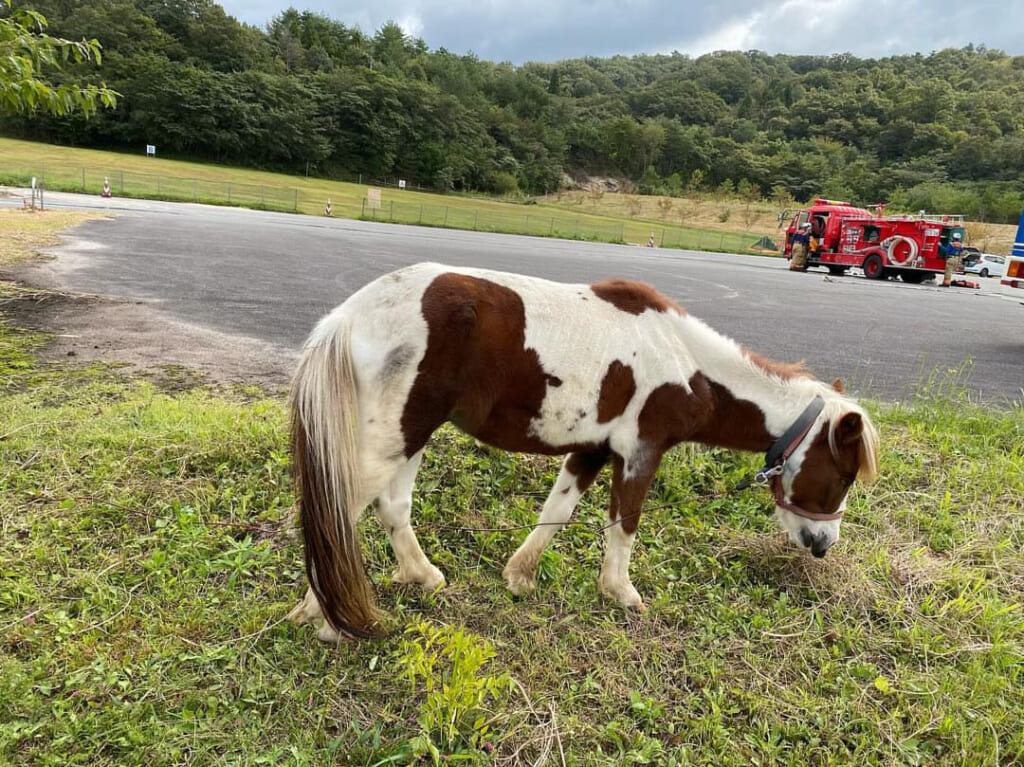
[(845, 236)]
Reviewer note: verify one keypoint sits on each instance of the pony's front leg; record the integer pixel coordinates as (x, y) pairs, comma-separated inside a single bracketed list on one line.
[(629, 488), (394, 509), (578, 472)]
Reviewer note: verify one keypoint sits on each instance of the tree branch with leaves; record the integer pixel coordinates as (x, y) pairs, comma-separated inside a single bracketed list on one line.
[(27, 52)]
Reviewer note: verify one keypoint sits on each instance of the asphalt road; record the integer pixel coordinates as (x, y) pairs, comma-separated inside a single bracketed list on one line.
[(271, 276)]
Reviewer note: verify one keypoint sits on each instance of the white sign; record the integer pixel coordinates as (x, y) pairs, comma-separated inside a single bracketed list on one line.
[(373, 197), (33, 182), (401, 183), (150, 150)]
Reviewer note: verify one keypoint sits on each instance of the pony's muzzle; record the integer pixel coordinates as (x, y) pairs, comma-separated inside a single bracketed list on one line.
[(819, 543)]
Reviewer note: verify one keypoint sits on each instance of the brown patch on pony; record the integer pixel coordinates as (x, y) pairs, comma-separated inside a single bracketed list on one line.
[(707, 413), (634, 297), (783, 370), (824, 477), (617, 389), (837, 386), (477, 371), (586, 466)]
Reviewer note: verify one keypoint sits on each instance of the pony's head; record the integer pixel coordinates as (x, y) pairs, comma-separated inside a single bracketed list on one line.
[(810, 484)]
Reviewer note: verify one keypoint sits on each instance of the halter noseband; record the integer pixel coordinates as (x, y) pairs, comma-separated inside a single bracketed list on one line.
[(775, 463)]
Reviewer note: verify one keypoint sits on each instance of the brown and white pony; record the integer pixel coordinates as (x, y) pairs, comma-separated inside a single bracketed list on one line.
[(612, 372)]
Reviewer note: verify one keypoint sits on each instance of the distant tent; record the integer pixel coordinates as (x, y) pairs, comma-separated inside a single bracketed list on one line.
[(765, 243)]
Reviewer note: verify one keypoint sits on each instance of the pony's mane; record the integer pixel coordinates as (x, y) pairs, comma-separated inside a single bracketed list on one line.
[(784, 370), (836, 405)]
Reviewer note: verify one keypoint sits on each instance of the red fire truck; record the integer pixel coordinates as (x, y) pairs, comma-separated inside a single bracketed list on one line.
[(880, 245)]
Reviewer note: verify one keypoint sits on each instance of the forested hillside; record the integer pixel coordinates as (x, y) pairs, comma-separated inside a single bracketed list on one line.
[(938, 131)]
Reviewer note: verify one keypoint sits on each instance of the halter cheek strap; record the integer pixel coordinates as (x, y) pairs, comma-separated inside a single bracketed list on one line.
[(780, 452)]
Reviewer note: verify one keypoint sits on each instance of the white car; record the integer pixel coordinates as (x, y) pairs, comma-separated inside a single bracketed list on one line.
[(985, 264)]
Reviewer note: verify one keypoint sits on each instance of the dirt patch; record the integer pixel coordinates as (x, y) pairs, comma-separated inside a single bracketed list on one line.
[(87, 329)]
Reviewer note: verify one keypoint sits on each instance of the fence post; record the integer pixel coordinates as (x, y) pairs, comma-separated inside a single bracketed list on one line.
[(121, 183), (662, 245), (622, 232), (700, 241), (362, 208), (158, 185), (721, 240), (295, 200)]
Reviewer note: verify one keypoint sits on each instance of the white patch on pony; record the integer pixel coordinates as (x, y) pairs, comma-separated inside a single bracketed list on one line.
[(521, 571)]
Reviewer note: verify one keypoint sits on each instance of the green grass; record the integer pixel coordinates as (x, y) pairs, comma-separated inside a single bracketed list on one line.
[(134, 175), (149, 555)]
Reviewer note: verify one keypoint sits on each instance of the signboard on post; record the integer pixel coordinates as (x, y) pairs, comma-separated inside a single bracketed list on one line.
[(150, 150), (401, 183), (373, 198)]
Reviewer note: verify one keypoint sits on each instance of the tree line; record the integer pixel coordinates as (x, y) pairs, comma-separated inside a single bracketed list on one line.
[(943, 131)]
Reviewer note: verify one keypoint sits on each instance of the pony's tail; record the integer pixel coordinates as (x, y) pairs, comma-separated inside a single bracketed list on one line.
[(324, 414)]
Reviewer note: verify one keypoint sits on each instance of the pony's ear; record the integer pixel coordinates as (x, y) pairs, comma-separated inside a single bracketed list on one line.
[(849, 429), (838, 385)]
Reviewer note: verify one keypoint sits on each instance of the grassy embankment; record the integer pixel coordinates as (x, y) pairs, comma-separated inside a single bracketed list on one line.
[(73, 169), (149, 555)]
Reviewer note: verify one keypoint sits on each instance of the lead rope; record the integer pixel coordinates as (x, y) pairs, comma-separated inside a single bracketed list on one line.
[(572, 522)]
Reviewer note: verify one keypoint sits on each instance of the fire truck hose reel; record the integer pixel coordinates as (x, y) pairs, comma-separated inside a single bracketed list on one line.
[(892, 250)]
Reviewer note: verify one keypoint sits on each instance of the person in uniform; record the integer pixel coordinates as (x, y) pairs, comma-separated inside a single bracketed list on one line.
[(801, 240), (951, 251)]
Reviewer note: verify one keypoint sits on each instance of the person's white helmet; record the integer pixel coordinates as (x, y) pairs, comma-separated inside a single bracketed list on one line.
[(956, 235)]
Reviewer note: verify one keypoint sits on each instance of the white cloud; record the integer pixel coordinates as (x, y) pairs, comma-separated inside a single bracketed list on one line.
[(549, 30)]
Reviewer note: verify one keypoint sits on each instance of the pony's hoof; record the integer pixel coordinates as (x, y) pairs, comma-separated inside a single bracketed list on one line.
[(625, 594), (430, 581), (518, 583), (327, 634)]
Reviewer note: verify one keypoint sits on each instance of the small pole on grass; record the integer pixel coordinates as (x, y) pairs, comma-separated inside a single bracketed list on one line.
[(446, 215), (551, 229), (229, 192), (83, 180), (195, 191), (261, 194), (120, 183), (476, 215), (362, 208), (391, 211), (421, 212)]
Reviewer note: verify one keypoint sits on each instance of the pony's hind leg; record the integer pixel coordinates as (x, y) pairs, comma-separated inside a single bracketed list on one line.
[(578, 472), (308, 611), (394, 507)]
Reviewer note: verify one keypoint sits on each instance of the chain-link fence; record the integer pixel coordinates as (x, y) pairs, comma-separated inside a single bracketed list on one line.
[(122, 183), (549, 222)]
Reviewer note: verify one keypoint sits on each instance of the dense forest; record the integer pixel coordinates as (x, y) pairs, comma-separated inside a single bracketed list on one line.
[(943, 131)]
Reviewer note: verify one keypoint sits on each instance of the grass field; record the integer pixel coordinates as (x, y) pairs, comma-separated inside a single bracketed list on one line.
[(73, 169), (150, 554)]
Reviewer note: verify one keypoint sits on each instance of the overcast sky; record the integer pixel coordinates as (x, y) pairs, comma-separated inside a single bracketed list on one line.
[(551, 30)]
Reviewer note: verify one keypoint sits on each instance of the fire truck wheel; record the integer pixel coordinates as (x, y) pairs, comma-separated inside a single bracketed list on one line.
[(873, 267)]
